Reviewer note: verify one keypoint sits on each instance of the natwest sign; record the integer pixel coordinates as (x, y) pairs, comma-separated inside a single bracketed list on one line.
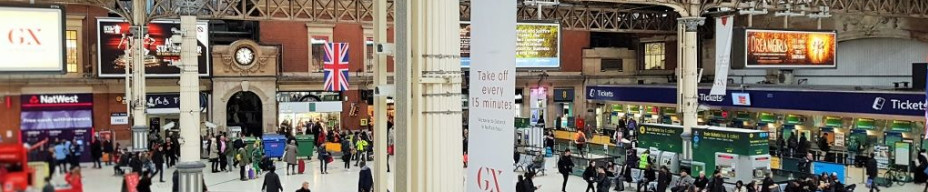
[(57, 101)]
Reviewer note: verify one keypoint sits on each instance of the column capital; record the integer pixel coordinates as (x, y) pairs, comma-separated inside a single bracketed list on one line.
[(691, 23)]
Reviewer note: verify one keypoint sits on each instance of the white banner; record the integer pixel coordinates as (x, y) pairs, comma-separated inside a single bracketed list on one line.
[(723, 26), (493, 76), (32, 39)]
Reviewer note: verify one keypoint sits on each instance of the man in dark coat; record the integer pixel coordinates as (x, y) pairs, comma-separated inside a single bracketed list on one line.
[(589, 175), (663, 179), (792, 144), (272, 181), (108, 149), (564, 166), (718, 183), (824, 147), (803, 147), (922, 164), (365, 179), (96, 152), (157, 158), (872, 173)]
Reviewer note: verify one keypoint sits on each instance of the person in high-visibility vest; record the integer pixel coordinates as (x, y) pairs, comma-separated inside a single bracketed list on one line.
[(643, 160)]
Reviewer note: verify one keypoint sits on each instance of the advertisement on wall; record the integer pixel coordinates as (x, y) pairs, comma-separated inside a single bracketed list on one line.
[(785, 49), (160, 51), (63, 116), (32, 39), (491, 120), (537, 45)]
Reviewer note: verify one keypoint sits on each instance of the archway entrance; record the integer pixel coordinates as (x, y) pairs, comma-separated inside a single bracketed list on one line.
[(244, 110)]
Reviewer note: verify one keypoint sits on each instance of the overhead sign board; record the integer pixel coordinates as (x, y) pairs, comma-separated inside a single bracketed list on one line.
[(537, 45), (756, 48), (160, 51), (32, 39)]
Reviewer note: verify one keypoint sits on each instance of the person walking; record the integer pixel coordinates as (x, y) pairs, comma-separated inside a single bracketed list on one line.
[(272, 181), (144, 184), (564, 166), (157, 158), (304, 188), (527, 184), (50, 159), (589, 175), (244, 159), (872, 173), (346, 153), (323, 159), (365, 179), (96, 152), (361, 148), (290, 157)]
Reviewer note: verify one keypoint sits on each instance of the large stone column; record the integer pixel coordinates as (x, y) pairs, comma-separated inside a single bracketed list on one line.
[(688, 85), (429, 132), (380, 100), (190, 168), (139, 116)]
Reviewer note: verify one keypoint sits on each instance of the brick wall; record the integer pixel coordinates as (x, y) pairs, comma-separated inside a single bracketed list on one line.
[(572, 45), (294, 41), (9, 119), (352, 34)]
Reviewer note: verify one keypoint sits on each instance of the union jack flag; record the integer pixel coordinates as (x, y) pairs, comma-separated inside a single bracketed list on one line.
[(336, 67)]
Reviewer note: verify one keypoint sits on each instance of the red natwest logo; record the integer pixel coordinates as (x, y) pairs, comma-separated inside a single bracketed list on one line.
[(34, 100)]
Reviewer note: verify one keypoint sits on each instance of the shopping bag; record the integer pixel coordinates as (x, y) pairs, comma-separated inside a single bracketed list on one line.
[(549, 152), (390, 150), (251, 173), (106, 157), (328, 159)]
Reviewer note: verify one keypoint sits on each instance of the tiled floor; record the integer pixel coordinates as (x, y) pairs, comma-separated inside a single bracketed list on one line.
[(341, 180)]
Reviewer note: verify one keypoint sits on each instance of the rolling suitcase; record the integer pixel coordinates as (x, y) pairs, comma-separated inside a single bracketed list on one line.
[(301, 166)]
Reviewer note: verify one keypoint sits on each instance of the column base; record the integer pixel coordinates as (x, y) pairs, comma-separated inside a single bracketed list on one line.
[(190, 176)]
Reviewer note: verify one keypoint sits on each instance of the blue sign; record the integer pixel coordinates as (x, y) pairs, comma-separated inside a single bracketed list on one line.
[(909, 104), (830, 168), (170, 100)]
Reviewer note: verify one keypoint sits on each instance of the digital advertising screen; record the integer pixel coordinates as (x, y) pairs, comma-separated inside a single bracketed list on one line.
[(785, 49), (537, 45), (159, 50), (32, 39)]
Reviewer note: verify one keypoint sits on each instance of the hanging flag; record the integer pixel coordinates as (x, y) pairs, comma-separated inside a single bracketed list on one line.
[(723, 27), (336, 67)]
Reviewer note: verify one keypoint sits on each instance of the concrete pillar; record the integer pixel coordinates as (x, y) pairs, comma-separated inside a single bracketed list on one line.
[(189, 92), (429, 131), (380, 100), (190, 176), (139, 117), (688, 85)]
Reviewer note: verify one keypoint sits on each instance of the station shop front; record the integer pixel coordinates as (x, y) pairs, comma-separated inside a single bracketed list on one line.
[(854, 122)]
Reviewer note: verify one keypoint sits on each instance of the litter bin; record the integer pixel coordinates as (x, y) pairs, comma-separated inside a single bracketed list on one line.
[(305, 146), (274, 145), (249, 141)]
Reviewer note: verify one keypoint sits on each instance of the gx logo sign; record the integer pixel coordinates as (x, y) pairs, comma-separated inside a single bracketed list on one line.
[(23, 36), (488, 179)]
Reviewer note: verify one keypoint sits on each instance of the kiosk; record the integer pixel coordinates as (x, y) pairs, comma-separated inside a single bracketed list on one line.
[(738, 153)]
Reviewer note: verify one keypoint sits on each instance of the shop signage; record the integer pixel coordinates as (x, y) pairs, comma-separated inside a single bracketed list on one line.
[(169, 103), (119, 119), (669, 110), (493, 67), (834, 122), (564, 95), (32, 39), (537, 45), (310, 107), (663, 137), (743, 115), (741, 99), (160, 51), (793, 119), (901, 126), (757, 48), (47, 101), (907, 104), (38, 120), (865, 124)]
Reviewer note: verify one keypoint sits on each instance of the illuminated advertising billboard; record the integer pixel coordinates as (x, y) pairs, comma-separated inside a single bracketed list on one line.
[(784, 49), (160, 51), (32, 39), (537, 45)]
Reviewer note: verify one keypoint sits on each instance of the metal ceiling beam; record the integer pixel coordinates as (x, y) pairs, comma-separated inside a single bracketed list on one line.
[(596, 18), (886, 8)]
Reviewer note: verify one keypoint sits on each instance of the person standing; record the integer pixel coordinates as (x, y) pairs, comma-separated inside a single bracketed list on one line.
[(580, 141), (805, 164), (872, 173), (365, 179), (290, 157), (108, 149), (920, 176), (361, 148), (323, 159), (223, 161), (272, 181), (50, 159), (803, 144), (793, 144), (663, 179), (61, 157), (96, 152), (824, 147), (565, 165), (244, 159), (213, 147), (157, 158)]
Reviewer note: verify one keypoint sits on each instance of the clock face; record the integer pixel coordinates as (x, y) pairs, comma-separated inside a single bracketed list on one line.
[(244, 56)]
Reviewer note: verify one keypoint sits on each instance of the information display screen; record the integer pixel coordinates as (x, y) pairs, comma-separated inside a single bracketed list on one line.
[(537, 45), (789, 49)]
